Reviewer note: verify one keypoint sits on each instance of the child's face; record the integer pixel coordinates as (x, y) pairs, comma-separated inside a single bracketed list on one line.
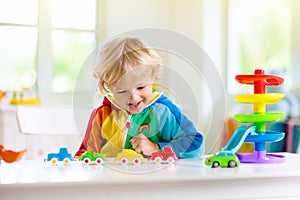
[(133, 92)]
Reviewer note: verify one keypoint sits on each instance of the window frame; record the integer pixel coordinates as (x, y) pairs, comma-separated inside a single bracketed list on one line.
[(44, 53), (44, 60)]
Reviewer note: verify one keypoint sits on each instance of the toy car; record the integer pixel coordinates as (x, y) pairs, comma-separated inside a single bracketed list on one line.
[(223, 159), (166, 155), (62, 156), (129, 155), (90, 158)]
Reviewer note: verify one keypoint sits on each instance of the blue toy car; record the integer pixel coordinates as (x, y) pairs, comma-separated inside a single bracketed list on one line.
[(62, 156)]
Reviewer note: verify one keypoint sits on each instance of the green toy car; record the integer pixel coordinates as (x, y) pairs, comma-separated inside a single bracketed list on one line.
[(92, 158), (223, 159)]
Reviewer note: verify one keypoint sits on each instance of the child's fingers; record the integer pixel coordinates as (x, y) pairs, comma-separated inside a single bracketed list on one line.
[(140, 135), (137, 144), (133, 143), (141, 144), (137, 140)]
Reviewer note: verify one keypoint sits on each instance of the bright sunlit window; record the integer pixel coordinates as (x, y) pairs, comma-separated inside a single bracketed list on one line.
[(49, 39), (19, 12), (80, 14), (259, 37), (18, 42)]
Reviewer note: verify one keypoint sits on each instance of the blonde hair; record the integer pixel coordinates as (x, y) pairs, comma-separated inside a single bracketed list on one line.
[(120, 56)]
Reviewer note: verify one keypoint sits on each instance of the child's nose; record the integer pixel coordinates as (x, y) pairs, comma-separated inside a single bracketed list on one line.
[(133, 95)]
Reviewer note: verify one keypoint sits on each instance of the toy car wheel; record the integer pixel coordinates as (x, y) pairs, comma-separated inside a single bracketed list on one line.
[(99, 161), (137, 161), (215, 164), (54, 161), (170, 160), (232, 163), (124, 161), (158, 160), (87, 161), (67, 161)]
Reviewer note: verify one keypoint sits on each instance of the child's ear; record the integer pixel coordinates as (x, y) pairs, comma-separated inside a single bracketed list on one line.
[(107, 89)]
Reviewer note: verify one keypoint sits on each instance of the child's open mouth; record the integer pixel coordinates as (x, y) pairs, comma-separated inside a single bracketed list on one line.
[(135, 105)]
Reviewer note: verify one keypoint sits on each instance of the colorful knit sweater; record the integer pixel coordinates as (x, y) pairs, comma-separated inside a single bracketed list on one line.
[(161, 121)]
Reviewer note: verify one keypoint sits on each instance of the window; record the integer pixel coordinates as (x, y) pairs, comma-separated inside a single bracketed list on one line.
[(48, 39), (221, 154), (259, 37), (18, 43)]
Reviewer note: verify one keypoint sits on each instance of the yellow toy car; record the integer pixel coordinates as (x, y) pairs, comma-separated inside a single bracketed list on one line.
[(129, 155)]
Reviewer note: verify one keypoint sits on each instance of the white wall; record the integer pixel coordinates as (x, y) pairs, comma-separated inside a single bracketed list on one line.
[(295, 44), (183, 16)]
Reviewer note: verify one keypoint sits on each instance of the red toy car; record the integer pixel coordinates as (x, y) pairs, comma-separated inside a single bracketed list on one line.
[(166, 155)]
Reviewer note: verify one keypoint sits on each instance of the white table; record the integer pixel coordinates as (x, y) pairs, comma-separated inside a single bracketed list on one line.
[(187, 179)]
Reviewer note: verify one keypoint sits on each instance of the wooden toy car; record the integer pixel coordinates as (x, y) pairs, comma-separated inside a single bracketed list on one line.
[(167, 155), (224, 158), (129, 155), (92, 158), (62, 156)]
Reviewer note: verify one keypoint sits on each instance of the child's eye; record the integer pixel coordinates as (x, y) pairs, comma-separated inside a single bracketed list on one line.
[(121, 92), (140, 88)]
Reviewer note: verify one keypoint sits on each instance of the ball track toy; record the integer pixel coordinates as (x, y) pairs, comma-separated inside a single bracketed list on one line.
[(260, 117)]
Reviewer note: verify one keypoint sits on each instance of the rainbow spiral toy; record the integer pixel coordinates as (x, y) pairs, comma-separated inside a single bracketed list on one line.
[(260, 117)]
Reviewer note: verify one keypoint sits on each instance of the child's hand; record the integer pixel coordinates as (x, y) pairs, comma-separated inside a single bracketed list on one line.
[(141, 144)]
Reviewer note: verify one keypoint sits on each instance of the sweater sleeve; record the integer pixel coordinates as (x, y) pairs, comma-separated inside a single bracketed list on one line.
[(177, 131), (92, 138)]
